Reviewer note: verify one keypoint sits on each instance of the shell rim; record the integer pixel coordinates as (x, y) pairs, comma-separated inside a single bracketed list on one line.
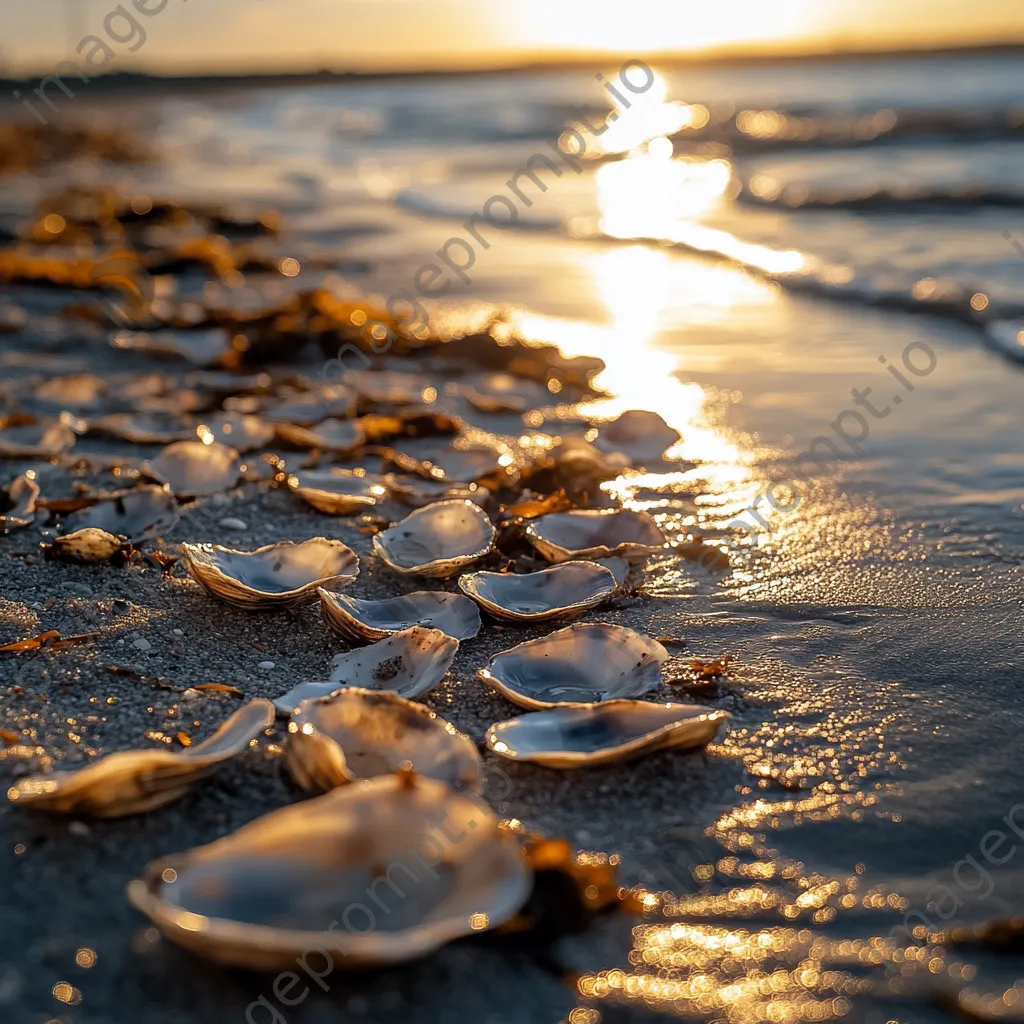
[(451, 563), (649, 741), (507, 615), (277, 597)]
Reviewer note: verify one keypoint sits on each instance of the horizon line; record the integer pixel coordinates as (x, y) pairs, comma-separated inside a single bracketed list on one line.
[(671, 58)]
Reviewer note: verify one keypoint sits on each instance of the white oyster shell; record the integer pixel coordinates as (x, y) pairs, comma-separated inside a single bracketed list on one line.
[(410, 663), (18, 503), (363, 621), (192, 469), (595, 533), (38, 440), (437, 540), (291, 883), (137, 515), (642, 436), (338, 492), (133, 781), (597, 734), (330, 435), (358, 733), (563, 591), (581, 664), (274, 576)]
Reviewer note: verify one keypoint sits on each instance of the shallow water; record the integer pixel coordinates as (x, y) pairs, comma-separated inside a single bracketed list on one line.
[(876, 615)]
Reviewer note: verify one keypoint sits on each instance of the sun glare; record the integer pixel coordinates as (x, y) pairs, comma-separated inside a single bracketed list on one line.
[(651, 26)]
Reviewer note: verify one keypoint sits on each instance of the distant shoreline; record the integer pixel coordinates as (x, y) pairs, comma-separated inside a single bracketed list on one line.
[(121, 79)]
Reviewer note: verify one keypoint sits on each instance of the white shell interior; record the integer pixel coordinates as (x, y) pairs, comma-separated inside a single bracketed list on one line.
[(563, 589), (358, 733), (437, 538), (604, 732), (581, 664), (362, 620), (410, 663)]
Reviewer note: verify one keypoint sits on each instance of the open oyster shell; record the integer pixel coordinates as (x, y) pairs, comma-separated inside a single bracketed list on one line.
[(304, 408), (437, 540), (275, 576), (642, 436), (358, 733), (18, 503), (295, 881), (193, 469), (133, 781), (338, 492), (596, 734), (561, 592), (416, 492), (331, 435), (595, 533), (238, 431), (137, 515), (581, 664), (144, 428), (618, 566), (410, 663), (363, 621), (389, 387), (37, 440)]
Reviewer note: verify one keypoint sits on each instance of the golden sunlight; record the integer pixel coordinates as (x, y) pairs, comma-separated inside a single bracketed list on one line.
[(651, 26)]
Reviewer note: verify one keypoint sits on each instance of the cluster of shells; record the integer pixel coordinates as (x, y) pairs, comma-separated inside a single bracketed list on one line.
[(492, 528)]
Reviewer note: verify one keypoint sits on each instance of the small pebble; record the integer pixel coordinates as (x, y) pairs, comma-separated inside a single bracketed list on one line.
[(78, 828), (266, 665), (234, 524), (178, 632), (142, 644)]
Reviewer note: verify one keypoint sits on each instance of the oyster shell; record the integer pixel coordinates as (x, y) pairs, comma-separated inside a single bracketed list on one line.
[(85, 546), (133, 781), (387, 387), (288, 703), (581, 664), (137, 515), (563, 591), (275, 576), (304, 408), (643, 437), (276, 889), (437, 540), (595, 533), (331, 435), (241, 432), (362, 621), (37, 440), (359, 733), (616, 730), (193, 469), (618, 566), (462, 463), (410, 663), (205, 347), (18, 503), (144, 428), (416, 492), (338, 492)]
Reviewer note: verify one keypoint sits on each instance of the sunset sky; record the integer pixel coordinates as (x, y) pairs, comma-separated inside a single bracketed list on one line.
[(301, 34)]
